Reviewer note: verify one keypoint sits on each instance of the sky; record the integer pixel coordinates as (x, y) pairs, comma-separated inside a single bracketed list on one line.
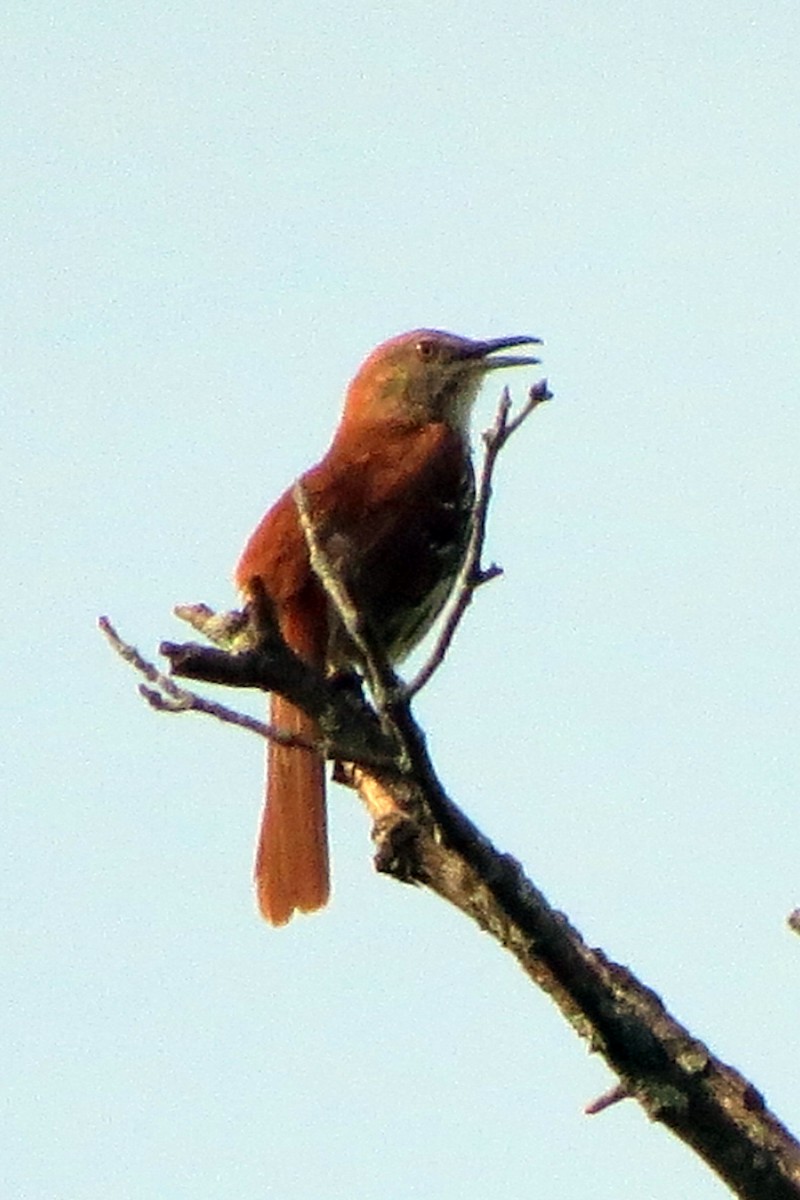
[(211, 214)]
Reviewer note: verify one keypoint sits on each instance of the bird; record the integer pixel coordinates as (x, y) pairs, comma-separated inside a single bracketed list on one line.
[(391, 504)]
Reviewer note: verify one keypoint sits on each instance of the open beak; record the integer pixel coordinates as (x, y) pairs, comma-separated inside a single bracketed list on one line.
[(482, 350)]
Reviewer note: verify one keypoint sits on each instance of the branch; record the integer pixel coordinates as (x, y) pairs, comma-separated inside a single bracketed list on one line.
[(349, 727), (472, 575), (167, 696), (380, 675), (674, 1076), (423, 838)]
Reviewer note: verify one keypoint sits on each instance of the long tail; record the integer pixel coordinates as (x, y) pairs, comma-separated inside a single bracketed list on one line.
[(291, 869)]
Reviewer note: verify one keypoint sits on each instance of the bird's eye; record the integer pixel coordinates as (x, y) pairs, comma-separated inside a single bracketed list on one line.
[(426, 349)]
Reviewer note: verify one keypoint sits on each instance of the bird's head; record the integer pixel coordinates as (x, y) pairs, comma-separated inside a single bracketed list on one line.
[(428, 375)]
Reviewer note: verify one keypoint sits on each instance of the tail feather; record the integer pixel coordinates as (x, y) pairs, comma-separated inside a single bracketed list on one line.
[(291, 868)]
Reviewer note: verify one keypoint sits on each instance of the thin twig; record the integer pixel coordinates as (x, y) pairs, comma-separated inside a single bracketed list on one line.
[(472, 575), (167, 696), (619, 1091), (381, 678), (131, 655), (229, 631)]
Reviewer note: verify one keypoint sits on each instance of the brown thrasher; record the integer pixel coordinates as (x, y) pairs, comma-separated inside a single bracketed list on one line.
[(391, 504)]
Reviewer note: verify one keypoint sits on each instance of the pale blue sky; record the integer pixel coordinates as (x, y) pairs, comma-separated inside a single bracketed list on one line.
[(211, 213)]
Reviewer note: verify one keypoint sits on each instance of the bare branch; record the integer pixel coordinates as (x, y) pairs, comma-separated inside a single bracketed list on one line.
[(537, 395), (423, 838), (673, 1075), (612, 1096), (350, 728), (230, 631), (132, 656), (167, 696), (381, 678), (472, 575)]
